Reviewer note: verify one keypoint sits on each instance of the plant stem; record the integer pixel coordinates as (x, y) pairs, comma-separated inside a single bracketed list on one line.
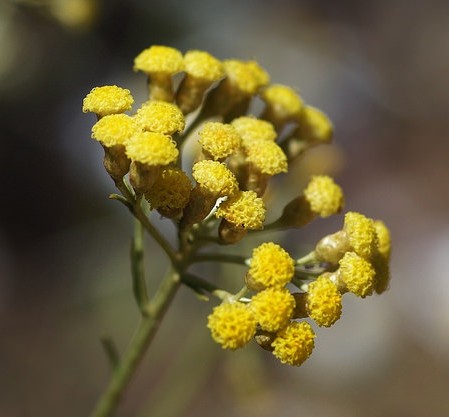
[(218, 257), (137, 266), (149, 323)]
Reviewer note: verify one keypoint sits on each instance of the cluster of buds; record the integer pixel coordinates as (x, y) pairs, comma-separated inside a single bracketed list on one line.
[(220, 196)]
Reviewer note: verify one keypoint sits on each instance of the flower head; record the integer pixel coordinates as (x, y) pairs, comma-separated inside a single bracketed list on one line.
[(294, 343), (171, 190), (108, 99), (244, 210), (252, 129), (357, 273), (152, 148), (383, 238), (219, 140), (232, 325), (159, 59), (323, 301), (315, 126), (283, 100), (361, 234), (267, 157), (215, 178), (160, 117), (248, 77), (324, 196), (202, 65), (270, 265), (115, 129), (272, 308)]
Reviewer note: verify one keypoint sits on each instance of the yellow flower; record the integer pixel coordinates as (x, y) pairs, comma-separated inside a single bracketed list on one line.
[(248, 77), (252, 129), (383, 238), (323, 301), (232, 325), (171, 190), (361, 234), (108, 99), (284, 101), (215, 178), (267, 157), (160, 117), (244, 210), (357, 273), (315, 126), (159, 59), (219, 140), (115, 129), (270, 265), (272, 308), (325, 197), (151, 148), (294, 343), (203, 66)]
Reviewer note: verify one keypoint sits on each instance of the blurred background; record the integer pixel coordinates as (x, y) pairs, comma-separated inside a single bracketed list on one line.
[(377, 68)]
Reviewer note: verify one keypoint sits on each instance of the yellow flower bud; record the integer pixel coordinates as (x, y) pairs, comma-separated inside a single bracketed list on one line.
[(357, 273), (324, 196), (108, 99), (160, 117)]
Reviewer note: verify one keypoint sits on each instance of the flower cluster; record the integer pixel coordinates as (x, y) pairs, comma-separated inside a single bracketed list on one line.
[(219, 196)]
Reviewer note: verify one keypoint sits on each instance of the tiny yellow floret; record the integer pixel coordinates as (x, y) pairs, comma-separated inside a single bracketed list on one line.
[(383, 238), (171, 190), (215, 178), (315, 126), (115, 129), (357, 273), (323, 301), (324, 196), (361, 234), (162, 59), (248, 77), (219, 140), (244, 210), (108, 99), (232, 325), (252, 129), (273, 308), (160, 117), (271, 265), (203, 66), (267, 157), (283, 100), (294, 343), (152, 148)]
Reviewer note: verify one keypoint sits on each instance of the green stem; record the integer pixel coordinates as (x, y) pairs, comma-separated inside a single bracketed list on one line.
[(126, 368), (137, 266), (110, 350), (307, 259), (218, 257)]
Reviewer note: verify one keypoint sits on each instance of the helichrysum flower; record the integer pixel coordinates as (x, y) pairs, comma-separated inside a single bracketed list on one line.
[(314, 126), (170, 191), (381, 259), (272, 308), (160, 117), (361, 234), (244, 210), (252, 129), (219, 140), (152, 148), (357, 273), (323, 301), (270, 265), (294, 343), (324, 196), (115, 129), (215, 178), (108, 99), (232, 325), (201, 65), (267, 157), (247, 76), (159, 59), (383, 238), (283, 103)]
